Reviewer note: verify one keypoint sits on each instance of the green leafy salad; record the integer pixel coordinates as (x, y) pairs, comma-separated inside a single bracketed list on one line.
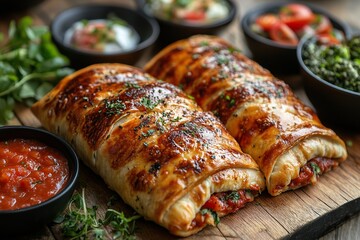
[(30, 66)]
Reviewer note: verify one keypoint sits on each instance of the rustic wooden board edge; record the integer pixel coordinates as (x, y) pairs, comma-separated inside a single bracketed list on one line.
[(327, 222)]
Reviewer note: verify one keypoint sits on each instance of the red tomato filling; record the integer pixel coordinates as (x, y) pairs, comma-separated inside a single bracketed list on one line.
[(223, 203), (315, 166), (30, 173)]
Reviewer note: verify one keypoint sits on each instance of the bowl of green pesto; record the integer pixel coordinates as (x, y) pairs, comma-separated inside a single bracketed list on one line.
[(331, 74)]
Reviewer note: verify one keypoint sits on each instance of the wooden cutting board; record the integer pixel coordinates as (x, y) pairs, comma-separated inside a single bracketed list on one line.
[(305, 213)]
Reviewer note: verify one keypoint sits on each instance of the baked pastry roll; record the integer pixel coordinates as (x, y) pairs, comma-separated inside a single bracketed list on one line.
[(270, 123), (173, 163)]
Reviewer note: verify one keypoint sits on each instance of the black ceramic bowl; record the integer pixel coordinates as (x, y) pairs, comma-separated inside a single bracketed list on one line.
[(146, 27), (28, 219), (171, 31), (278, 58), (17, 5), (333, 104)]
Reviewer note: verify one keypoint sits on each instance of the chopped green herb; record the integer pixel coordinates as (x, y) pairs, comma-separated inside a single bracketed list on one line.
[(147, 103), (176, 119), (222, 59), (232, 102), (131, 85), (147, 134), (191, 128), (233, 196), (114, 107), (206, 211), (204, 43), (316, 169)]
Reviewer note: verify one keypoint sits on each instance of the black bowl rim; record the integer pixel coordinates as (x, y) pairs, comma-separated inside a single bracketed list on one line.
[(221, 22), (264, 7), (142, 45), (71, 182), (299, 49)]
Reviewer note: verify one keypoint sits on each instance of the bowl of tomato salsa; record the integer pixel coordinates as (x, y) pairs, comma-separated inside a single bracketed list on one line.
[(273, 31), (38, 174)]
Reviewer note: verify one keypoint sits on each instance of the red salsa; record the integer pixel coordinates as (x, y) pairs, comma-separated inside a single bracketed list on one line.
[(30, 173)]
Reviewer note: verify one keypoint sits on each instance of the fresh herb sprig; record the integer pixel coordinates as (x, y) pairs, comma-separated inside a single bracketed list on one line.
[(30, 66), (81, 222)]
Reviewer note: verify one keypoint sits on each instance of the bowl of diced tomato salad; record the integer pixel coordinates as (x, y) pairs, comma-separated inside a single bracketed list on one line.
[(273, 30), (38, 174)]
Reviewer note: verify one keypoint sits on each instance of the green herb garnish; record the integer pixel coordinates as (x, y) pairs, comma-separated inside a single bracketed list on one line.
[(147, 103), (212, 213), (147, 134), (114, 107), (81, 222), (30, 66), (131, 85), (316, 169), (233, 196), (222, 59)]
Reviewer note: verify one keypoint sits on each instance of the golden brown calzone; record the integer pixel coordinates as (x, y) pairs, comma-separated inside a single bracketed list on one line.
[(270, 123), (172, 162)]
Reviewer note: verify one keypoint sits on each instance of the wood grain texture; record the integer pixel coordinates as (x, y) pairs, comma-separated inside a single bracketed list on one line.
[(306, 213)]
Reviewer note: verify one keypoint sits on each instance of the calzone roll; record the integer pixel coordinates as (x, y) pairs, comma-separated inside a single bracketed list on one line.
[(173, 163), (270, 123)]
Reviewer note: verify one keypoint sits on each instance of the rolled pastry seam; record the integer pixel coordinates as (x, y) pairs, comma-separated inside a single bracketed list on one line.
[(153, 145), (282, 134)]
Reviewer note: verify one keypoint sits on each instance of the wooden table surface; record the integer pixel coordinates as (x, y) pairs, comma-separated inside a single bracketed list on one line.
[(347, 10)]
